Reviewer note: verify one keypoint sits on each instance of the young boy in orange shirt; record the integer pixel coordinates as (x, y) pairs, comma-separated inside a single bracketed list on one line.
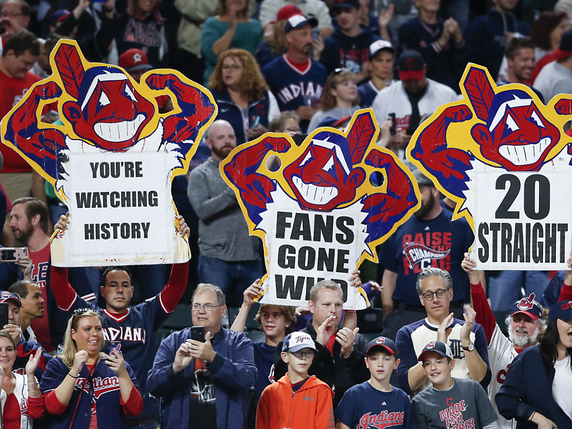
[(296, 401)]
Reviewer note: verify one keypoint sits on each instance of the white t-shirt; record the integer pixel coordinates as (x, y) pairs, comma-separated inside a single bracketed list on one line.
[(561, 385)]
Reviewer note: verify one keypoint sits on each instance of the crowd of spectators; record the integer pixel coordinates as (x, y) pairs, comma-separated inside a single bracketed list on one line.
[(76, 353)]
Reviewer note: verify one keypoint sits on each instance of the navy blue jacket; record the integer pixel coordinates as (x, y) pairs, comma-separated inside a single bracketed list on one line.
[(527, 389), (230, 112), (443, 66), (486, 40), (233, 371), (101, 387)]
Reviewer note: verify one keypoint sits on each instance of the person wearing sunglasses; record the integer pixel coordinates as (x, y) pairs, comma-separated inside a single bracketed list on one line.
[(466, 339), (84, 387)]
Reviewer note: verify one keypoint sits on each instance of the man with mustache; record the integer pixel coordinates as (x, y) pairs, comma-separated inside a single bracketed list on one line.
[(295, 78), (524, 324), (229, 255)]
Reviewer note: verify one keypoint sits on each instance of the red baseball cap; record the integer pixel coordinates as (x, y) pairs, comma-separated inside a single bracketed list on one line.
[(288, 11), (134, 60)]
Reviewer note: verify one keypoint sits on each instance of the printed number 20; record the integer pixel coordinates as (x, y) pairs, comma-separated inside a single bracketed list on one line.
[(536, 196)]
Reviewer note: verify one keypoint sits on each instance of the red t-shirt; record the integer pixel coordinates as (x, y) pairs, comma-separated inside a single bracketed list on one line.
[(11, 91)]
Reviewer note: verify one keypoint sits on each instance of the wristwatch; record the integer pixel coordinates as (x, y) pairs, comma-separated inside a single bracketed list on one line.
[(470, 348)]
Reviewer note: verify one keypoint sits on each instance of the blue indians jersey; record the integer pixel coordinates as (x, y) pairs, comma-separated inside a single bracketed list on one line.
[(294, 88), (136, 331), (367, 93), (365, 407), (419, 244)]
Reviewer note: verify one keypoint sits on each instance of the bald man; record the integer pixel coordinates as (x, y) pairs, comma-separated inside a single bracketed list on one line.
[(229, 257)]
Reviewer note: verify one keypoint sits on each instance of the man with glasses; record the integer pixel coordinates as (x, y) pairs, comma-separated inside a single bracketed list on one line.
[(466, 339), (15, 17), (204, 383), (428, 239)]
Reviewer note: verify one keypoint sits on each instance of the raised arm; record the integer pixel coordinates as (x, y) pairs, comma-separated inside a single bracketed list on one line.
[(485, 316), (478, 368), (249, 296)]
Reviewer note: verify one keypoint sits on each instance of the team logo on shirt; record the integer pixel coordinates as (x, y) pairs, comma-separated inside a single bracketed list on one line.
[(101, 385), (385, 419)]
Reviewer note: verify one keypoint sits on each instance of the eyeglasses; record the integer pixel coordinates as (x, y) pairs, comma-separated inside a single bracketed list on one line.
[(303, 353), (429, 295), (232, 67), (206, 307), (11, 14)]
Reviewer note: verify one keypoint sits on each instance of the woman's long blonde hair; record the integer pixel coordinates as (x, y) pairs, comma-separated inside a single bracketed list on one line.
[(70, 349)]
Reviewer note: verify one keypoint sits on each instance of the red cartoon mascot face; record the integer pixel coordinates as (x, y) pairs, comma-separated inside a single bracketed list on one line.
[(109, 112), (517, 135), (323, 177)]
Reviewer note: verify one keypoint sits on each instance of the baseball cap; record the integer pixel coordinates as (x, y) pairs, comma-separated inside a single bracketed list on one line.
[(346, 4), (133, 60), (296, 22), (438, 347), (561, 310), (58, 16), (411, 65), (379, 45), (297, 341), (288, 11), (6, 296), (383, 342), (527, 306)]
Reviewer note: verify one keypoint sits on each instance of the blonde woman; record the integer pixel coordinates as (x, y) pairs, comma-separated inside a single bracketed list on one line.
[(84, 387)]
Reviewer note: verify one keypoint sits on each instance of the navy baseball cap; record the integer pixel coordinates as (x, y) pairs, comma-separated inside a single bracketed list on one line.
[(380, 45), (6, 296), (296, 22), (298, 341), (561, 310), (438, 347), (411, 65), (345, 4), (383, 342), (527, 306)]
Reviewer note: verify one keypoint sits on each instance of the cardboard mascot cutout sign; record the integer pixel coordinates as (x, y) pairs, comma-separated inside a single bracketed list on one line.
[(322, 207), (502, 156), (113, 159)]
